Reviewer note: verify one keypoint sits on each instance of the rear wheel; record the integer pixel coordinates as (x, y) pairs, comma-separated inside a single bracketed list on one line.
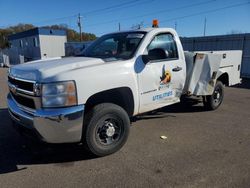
[(106, 129), (213, 101)]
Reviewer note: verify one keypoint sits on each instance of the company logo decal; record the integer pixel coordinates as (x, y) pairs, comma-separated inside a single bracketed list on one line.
[(163, 95), (165, 78), (165, 81)]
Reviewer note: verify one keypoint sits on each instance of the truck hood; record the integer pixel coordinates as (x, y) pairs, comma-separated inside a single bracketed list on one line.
[(38, 70)]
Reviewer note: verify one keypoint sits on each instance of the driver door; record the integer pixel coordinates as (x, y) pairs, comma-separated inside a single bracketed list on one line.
[(161, 79)]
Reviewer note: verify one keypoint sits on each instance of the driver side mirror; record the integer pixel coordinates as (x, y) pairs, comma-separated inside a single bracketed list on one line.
[(155, 54)]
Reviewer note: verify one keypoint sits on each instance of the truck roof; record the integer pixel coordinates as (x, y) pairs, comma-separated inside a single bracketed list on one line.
[(149, 29)]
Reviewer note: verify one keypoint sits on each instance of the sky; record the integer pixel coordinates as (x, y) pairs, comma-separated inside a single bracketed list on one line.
[(103, 16)]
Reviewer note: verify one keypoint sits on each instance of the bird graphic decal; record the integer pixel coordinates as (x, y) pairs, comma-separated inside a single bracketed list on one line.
[(166, 76)]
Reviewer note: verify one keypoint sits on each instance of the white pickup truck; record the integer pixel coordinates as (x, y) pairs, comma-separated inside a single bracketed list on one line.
[(90, 99)]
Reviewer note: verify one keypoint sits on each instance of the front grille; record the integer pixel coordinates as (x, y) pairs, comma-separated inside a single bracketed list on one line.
[(24, 101), (28, 86), (22, 92)]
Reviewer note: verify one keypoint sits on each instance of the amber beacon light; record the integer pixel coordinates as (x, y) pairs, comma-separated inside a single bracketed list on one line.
[(155, 23)]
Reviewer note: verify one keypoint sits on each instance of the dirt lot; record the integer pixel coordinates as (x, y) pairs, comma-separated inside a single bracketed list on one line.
[(202, 149)]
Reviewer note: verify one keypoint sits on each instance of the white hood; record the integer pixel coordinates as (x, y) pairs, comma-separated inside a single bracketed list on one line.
[(38, 70)]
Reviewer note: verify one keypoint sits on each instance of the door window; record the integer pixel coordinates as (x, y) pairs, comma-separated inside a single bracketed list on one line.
[(167, 43)]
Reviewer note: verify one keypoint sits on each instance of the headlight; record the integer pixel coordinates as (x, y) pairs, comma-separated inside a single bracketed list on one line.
[(59, 94)]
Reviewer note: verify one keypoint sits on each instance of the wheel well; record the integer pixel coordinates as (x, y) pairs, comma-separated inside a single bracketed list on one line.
[(224, 79), (122, 97)]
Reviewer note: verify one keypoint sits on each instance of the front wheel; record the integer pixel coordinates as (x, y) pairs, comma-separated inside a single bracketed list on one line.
[(106, 129), (212, 102)]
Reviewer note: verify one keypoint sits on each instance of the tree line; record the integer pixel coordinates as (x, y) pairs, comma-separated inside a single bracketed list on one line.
[(72, 35)]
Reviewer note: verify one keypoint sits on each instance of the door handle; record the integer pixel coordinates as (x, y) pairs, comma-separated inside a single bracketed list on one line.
[(176, 69)]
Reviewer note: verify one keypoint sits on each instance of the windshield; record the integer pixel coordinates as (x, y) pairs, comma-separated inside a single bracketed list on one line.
[(115, 46)]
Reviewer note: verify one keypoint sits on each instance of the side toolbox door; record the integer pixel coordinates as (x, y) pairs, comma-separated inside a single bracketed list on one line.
[(161, 79)]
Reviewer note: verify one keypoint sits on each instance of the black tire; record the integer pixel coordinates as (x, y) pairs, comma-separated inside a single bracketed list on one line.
[(212, 102), (106, 129)]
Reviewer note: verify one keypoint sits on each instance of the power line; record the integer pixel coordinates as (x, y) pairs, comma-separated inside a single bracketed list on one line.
[(110, 7), (127, 6), (205, 12), (199, 13), (177, 8), (117, 6), (152, 13)]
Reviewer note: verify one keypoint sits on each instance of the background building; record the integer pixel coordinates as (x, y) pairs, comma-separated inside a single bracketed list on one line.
[(37, 43)]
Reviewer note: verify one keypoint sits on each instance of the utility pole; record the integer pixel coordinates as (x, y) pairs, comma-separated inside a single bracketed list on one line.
[(79, 23), (205, 26), (119, 25)]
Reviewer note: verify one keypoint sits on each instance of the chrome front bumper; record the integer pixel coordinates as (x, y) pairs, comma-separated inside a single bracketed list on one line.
[(57, 125)]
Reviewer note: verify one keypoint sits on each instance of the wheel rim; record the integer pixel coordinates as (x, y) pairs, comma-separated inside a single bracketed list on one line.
[(109, 131), (217, 96)]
